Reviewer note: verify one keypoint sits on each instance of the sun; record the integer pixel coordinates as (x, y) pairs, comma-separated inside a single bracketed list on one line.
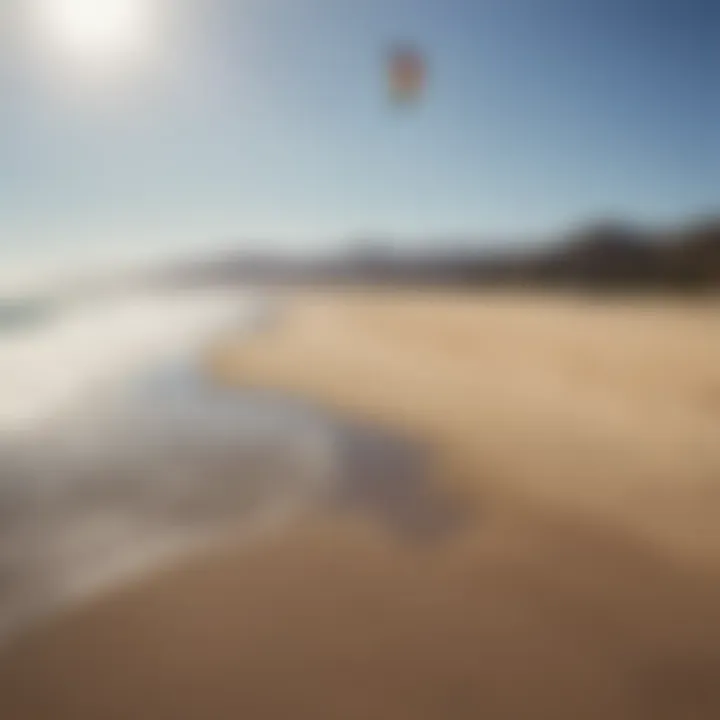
[(97, 34)]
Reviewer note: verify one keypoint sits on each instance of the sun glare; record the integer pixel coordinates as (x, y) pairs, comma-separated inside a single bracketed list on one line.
[(98, 34)]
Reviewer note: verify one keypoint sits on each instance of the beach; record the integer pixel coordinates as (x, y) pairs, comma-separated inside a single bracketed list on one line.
[(522, 524)]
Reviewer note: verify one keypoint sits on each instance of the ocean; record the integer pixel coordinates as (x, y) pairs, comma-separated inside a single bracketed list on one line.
[(119, 452)]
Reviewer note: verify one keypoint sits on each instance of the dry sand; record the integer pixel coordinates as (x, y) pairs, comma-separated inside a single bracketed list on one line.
[(582, 437)]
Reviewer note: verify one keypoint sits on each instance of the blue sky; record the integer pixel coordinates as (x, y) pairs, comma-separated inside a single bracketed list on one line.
[(273, 125)]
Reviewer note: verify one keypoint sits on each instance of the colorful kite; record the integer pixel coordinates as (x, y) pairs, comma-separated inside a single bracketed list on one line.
[(406, 75)]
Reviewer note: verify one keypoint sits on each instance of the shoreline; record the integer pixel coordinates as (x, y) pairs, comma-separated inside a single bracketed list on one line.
[(581, 582)]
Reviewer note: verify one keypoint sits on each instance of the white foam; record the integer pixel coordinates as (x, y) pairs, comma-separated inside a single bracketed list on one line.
[(46, 368)]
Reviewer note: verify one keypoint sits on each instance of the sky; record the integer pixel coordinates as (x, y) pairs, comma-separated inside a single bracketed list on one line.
[(268, 122)]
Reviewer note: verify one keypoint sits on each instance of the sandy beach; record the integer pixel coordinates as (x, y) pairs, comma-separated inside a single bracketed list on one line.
[(572, 448)]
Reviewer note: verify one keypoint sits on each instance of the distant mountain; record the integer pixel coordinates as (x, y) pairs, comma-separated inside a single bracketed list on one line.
[(602, 256), (695, 257)]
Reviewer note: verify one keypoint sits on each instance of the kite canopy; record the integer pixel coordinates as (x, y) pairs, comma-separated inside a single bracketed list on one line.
[(406, 75)]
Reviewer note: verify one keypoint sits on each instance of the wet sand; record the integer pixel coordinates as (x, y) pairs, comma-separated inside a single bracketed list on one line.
[(135, 481), (561, 560)]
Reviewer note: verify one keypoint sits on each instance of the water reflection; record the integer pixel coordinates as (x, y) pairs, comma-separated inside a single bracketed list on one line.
[(136, 477)]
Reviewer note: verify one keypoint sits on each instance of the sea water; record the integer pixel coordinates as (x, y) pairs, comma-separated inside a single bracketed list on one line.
[(118, 451)]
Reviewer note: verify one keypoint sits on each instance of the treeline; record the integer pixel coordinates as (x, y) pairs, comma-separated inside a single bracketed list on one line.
[(605, 256), (612, 255)]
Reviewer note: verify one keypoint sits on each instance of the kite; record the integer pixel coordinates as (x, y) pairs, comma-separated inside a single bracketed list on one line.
[(406, 75)]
